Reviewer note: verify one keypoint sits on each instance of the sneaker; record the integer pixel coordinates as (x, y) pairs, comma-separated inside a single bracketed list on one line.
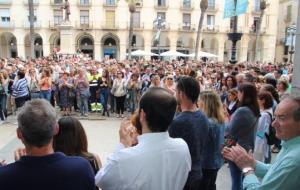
[(85, 115)]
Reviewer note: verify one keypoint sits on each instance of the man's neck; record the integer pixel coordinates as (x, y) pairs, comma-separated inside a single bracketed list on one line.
[(188, 107), (36, 151)]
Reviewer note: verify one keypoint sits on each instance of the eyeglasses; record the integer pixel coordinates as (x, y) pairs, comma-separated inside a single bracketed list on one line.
[(170, 78)]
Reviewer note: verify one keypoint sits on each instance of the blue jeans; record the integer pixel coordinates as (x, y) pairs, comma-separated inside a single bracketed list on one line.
[(46, 94), (236, 176), (82, 102), (3, 101), (104, 93), (35, 95)]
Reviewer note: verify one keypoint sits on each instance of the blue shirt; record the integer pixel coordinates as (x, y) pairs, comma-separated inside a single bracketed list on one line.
[(283, 174), (192, 127)]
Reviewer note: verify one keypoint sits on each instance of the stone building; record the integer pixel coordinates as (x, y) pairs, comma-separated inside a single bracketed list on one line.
[(100, 27)]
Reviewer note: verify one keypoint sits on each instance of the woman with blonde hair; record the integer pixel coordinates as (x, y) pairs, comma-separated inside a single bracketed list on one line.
[(211, 104)]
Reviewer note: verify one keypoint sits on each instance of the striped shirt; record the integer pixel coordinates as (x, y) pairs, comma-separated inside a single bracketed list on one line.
[(20, 88)]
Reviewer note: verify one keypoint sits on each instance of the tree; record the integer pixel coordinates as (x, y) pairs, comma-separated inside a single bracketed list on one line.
[(203, 7), (31, 22), (263, 6)]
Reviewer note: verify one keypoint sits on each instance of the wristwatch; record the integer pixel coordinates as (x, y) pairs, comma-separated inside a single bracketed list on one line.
[(247, 170)]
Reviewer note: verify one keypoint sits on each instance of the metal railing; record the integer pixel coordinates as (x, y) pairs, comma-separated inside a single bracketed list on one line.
[(35, 2), (136, 26), (57, 3), (188, 6), (211, 28), (110, 25), (10, 24), (37, 24), (84, 3), (187, 27), (164, 5), (5, 2)]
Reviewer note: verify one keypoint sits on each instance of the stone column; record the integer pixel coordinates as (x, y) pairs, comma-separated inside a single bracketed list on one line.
[(21, 47), (66, 38), (46, 49), (98, 51)]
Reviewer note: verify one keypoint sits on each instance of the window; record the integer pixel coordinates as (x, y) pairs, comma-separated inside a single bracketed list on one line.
[(211, 4), (257, 5), (4, 15), (110, 2), (186, 19), (136, 19), (210, 20), (57, 1), (133, 40), (84, 17), (289, 13), (186, 3), (84, 2), (110, 19), (58, 16), (161, 3), (162, 15), (255, 24)]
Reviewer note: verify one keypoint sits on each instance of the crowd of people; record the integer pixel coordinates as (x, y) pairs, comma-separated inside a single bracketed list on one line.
[(201, 113)]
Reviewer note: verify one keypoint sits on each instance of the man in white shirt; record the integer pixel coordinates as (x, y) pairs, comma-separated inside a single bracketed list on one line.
[(157, 162)]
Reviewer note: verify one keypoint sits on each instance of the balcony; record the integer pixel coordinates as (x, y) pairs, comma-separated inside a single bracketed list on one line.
[(57, 3), (35, 2), (164, 28), (187, 27), (7, 25), (212, 8), (53, 25), (230, 30), (186, 6), (84, 3), (110, 4), (5, 2), (37, 24), (162, 6), (84, 25), (211, 28), (110, 25), (136, 26)]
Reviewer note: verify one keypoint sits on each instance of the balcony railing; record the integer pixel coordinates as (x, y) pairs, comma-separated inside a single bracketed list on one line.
[(110, 25), (54, 24), (84, 25), (84, 3), (165, 28), (212, 8), (35, 2), (5, 2), (186, 6), (111, 4), (162, 6), (59, 3), (37, 24), (136, 26), (188, 27), (211, 28), (7, 24)]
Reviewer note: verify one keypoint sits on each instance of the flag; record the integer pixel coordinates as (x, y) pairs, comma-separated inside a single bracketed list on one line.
[(241, 7), (229, 9)]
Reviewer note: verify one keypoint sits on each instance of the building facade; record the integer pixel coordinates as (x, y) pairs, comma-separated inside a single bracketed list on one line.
[(287, 19), (101, 27)]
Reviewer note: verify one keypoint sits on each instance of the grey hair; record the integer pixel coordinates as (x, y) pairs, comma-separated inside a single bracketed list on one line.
[(37, 121)]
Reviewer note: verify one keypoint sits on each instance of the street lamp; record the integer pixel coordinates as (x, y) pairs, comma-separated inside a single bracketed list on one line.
[(234, 36), (291, 31), (159, 23)]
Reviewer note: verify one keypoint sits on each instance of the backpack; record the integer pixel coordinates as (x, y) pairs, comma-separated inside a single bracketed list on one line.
[(271, 137)]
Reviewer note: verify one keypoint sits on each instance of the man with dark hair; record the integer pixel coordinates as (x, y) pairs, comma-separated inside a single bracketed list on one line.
[(192, 126), (157, 162), (38, 167), (20, 90), (284, 172)]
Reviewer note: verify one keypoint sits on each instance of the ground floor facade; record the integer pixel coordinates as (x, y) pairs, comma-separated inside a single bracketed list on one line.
[(114, 43)]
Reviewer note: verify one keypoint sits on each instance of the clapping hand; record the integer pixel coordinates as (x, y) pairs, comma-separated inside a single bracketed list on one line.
[(128, 134), (3, 163), (239, 156)]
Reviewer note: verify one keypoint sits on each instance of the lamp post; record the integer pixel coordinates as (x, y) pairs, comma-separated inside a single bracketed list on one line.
[(159, 23), (291, 30), (234, 36)]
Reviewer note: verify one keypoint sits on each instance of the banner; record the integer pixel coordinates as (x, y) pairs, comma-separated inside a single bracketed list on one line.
[(229, 8), (241, 7)]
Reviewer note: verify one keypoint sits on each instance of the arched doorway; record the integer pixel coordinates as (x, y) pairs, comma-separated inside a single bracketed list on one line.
[(54, 41), (185, 44), (162, 46), (110, 44), (85, 44), (38, 46), (137, 42), (8, 45)]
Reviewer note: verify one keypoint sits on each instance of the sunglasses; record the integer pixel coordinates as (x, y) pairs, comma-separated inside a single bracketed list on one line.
[(170, 78)]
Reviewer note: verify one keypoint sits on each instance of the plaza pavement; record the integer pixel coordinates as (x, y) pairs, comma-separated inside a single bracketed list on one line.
[(103, 136)]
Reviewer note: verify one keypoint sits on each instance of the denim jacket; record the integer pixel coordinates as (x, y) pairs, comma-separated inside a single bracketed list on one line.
[(213, 158)]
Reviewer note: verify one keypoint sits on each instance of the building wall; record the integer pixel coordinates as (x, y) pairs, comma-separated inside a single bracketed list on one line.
[(284, 22), (214, 37)]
